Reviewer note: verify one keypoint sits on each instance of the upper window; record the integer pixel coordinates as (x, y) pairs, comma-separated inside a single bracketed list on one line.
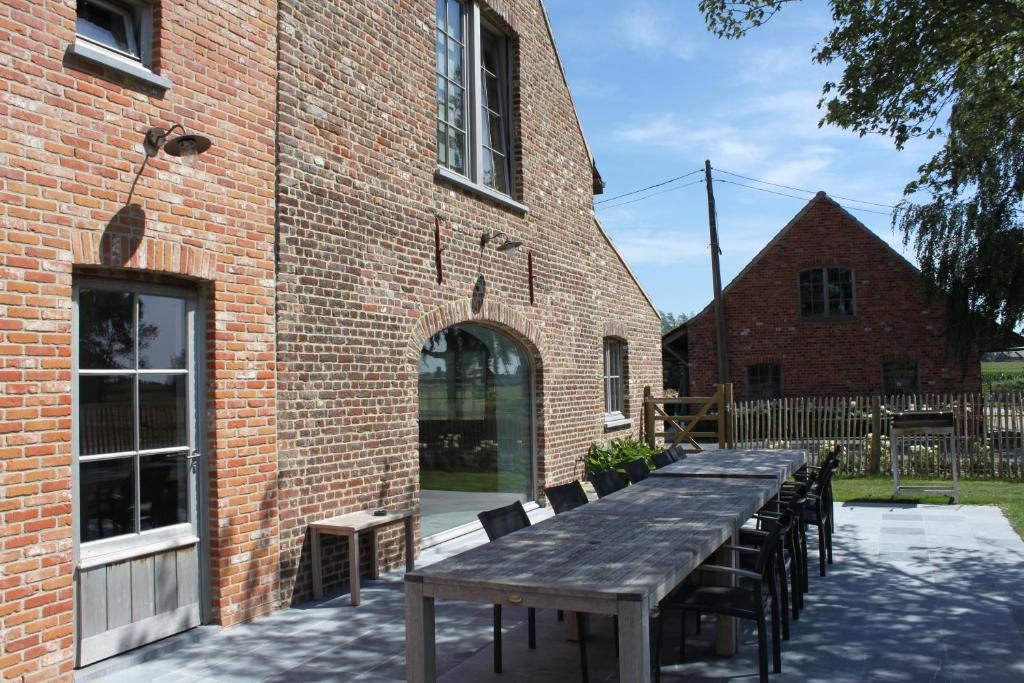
[(899, 377), (613, 364), (826, 293), (472, 96), (764, 381), (116, 26)]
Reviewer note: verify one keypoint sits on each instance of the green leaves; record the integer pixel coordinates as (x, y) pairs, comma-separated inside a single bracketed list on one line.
[(616, 453), (943, 69)]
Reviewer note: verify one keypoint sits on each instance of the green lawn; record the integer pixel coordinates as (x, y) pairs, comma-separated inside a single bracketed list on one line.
[(1008, 495), (439, 480), (1010, 366)]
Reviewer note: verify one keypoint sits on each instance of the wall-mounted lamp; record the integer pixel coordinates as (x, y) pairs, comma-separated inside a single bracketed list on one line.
[(508, 243), (187, 145)]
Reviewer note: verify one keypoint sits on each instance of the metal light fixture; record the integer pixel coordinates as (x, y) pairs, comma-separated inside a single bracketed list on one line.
[(187, 146), (508, 243)]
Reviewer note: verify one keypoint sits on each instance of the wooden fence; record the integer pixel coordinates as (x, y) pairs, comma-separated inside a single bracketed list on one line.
[(688, 420), (990, 430)]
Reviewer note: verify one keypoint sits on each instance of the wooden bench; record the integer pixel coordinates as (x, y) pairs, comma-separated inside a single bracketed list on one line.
[(351, 525)]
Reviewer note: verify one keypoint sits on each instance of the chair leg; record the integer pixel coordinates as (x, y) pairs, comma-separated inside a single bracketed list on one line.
[(497, 639), (803, 553), (828, 539), (531, 627), (821, 549), (656, 647), (762, 647), (776, 640), (581, 627), (615, 628), (682, 635), (784, 596)]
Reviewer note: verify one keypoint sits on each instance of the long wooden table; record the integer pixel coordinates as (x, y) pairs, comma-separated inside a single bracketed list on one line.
[(738, 463), (618, 556)]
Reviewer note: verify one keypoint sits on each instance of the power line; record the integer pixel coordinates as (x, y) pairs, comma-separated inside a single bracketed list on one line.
[(793, 196), (653, 194), (649, 187), (800, 189)]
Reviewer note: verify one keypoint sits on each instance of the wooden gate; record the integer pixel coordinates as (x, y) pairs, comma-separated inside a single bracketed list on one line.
[(683, 425)]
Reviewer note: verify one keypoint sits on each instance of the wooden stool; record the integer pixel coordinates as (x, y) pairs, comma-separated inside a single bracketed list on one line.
[(351, 525)]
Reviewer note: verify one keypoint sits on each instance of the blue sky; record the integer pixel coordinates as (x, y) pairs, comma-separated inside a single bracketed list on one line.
[(658, 94)]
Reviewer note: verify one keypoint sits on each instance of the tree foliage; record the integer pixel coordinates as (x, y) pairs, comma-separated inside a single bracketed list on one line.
[(670, 321), (950, 69)]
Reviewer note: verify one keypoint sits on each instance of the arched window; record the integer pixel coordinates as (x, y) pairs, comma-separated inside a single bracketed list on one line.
[(475, 420), (826, 293), (614, 377)]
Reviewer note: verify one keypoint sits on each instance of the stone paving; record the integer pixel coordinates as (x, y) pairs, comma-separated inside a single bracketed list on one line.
[(917, 593)]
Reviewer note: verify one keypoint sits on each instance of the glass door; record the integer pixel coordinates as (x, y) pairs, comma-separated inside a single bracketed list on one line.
[(137, 467)]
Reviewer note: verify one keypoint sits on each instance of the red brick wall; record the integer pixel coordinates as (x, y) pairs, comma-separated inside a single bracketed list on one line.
[(843, 357), (70, 146), (357, 289)]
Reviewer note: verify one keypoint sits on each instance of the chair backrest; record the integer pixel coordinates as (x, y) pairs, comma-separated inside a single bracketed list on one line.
[(637, 470), (663, 459), (678, 452), (566, 496), (504, 520), (776, 528), (607, 482)]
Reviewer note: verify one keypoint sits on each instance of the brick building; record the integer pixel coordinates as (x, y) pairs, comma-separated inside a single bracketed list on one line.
[(327, 310), (827, 308)]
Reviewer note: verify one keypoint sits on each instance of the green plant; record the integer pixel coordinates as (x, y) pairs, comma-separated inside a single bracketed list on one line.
[(616, 453)]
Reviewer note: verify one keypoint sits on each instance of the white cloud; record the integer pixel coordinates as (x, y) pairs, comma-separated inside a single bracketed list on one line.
[(656, 33), (643, 247), (725, 142)]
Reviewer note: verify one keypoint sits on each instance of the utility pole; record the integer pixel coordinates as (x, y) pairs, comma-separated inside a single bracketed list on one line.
[(723, 358)]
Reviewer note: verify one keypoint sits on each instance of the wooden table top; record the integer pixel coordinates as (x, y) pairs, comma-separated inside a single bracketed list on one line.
[(354, 522), (644, 539), (738, 463)]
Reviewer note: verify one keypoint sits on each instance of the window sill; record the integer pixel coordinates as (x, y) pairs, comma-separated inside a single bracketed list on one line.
[(478, 189), (616, 421), (97, 55), (828, 320)]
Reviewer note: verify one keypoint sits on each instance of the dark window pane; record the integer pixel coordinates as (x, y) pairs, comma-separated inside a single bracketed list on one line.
[(105, 26), (500, 173), (105, 422), (162, 332), (496, 134), (899, 377), (764, 381), (442, 143), (455, 62), (442, 98), (163, 490), (456, 151), (492, 93), (456, 106), (162, 411), (105, 334), (487, 170), (107, 500), (439, 49), (455, 19)]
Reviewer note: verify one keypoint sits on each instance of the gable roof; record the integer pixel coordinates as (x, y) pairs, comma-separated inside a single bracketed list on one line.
[(818, 198)]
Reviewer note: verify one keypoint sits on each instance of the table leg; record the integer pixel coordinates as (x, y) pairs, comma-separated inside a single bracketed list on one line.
[(318, 580), (410, 545), (634, 640), (727, 629), (353, 566), (374, 559), (420, 662)]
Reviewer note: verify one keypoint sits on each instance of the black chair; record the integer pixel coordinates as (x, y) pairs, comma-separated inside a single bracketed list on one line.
[(678, 452), (637, 470), (607, 482), (818, 511), (750, 601), (566, 496), (663, 459), (497, 523)]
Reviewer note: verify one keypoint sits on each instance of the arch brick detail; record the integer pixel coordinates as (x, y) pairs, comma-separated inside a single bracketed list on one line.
[(123, 251), (614, 328), (456, 312)]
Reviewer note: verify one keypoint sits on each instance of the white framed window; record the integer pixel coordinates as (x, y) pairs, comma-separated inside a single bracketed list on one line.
[(121, 27), (827, 293), (473, 95), (614, 364), (117, 34)]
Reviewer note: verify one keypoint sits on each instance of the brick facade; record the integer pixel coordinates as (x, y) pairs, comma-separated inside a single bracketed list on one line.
[(358, 292), (310, 402), (893, 321), (70, 147)]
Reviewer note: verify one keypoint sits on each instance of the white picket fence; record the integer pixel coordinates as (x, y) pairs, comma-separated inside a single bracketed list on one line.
[(990, 430)]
